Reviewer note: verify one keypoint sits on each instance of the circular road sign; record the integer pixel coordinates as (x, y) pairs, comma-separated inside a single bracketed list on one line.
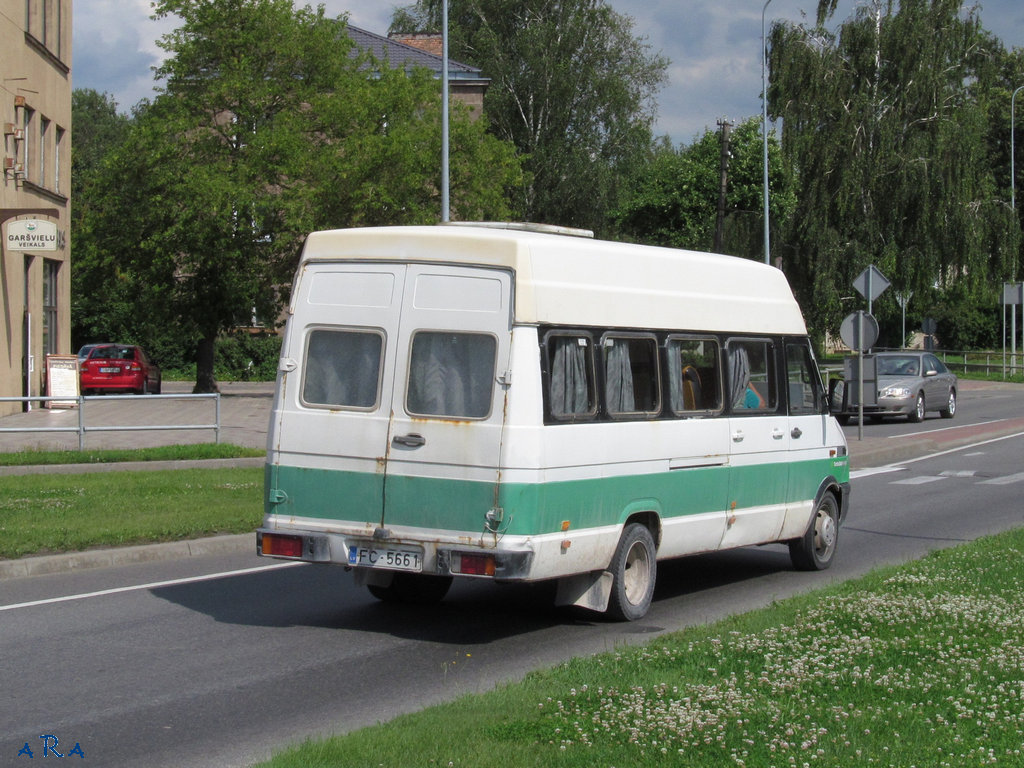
[(854, 326)]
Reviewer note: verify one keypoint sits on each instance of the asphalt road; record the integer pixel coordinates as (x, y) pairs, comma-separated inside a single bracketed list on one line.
[(201, 660)]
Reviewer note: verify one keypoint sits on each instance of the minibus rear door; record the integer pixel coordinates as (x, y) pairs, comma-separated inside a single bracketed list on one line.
[(448, 408), (332, 411)]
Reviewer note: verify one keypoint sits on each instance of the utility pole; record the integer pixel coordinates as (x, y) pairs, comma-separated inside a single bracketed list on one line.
[(726, 126)]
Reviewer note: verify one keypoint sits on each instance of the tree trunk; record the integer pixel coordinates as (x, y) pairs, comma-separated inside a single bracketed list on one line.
[(206, 383)]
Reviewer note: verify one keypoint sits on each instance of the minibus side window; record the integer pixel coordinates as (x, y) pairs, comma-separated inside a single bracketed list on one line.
[(571, 391), (752, 384), (694, 378), (451, 375), (342, 368), (631, 380), (805, 390)]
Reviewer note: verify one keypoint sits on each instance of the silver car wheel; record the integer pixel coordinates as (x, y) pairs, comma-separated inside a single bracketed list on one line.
[(950, 410)]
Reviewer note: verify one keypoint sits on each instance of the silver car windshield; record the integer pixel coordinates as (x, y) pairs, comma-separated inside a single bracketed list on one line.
[(899, 365)]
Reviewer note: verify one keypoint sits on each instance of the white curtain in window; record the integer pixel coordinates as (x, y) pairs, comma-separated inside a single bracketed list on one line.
[(619, 378), (739, 375), (569, 391)]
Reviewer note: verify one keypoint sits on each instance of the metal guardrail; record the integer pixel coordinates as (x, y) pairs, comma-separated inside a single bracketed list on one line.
[(83, 428), (987, 362)]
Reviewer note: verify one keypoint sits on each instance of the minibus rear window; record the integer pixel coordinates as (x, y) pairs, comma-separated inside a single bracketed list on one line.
[(451, 375), (343, 368)]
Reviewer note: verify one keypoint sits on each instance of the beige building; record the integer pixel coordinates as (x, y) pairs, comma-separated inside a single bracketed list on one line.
[(35, 266)]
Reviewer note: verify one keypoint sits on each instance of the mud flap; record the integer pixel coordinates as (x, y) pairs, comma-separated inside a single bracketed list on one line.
[(587, 590)]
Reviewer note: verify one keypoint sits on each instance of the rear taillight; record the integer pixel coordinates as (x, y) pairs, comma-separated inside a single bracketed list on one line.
[(475, 565), (281, 546)]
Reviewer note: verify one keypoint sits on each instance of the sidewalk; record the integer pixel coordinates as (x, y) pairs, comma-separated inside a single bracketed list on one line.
[(245, 413)]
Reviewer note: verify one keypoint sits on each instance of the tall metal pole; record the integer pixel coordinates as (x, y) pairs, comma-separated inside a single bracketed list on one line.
[(1013, 207), (764, 125), (1013, 179), (445, 214)]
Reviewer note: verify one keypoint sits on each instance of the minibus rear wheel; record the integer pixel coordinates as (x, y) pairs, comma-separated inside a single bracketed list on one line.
[(815, 549), (634, 568), (412, 588)]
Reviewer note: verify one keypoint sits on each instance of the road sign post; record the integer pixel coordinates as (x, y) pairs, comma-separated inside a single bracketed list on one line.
[(1013, 294), (859, 331)]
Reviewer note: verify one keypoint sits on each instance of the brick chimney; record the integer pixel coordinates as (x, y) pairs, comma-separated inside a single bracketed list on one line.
[(430, 42)]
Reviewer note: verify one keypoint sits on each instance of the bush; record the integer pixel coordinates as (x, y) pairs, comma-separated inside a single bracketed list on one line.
[(245, 356), (240, 356)]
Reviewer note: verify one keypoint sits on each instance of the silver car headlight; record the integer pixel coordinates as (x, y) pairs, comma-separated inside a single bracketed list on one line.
[(895, 392)]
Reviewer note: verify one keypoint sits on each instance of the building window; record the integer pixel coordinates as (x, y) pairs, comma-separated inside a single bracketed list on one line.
[(51, 271), (58, 148), (44, 131), (44, 22), (28, 153)]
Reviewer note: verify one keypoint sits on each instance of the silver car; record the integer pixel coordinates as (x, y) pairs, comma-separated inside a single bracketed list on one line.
[(909, 384)]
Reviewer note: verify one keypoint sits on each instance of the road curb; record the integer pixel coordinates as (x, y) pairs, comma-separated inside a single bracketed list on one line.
[(132, 466), (115, 556)]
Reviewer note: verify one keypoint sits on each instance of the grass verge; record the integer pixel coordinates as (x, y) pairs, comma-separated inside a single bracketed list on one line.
[(919, 665), (193, 452), (45, 514)]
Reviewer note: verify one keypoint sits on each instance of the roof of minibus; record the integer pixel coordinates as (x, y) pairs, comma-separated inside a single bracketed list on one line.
[(586, 282)]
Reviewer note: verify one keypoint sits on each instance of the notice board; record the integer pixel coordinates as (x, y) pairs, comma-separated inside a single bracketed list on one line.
[(62, 380)]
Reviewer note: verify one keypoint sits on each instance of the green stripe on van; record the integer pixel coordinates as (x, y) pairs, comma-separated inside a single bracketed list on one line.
[(532, 509)]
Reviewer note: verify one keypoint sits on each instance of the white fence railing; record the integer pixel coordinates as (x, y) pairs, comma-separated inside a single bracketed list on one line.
[(83, 427)]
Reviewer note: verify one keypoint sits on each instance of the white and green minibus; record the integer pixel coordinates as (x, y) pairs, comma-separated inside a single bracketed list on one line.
[(496, 402)]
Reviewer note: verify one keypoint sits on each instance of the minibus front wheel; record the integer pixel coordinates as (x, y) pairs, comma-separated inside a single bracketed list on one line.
[(634, 569), (815, 549)]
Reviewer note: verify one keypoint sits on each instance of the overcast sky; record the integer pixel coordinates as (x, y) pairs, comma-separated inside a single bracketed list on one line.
[(713, 45)]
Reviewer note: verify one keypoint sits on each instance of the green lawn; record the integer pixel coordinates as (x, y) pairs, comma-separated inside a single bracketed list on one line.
[(921, 665), (190, 452), (43, 514)]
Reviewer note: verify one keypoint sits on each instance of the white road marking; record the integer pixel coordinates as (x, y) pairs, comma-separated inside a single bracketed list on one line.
[(918, 480), (869, 471), (926, 432), (151, 585), (1005, 480)]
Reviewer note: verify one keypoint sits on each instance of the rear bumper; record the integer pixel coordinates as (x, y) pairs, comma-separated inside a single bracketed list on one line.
[(129, 383), (439, 558)]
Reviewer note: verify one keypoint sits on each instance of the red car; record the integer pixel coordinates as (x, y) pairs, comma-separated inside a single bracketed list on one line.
[(119, 367)]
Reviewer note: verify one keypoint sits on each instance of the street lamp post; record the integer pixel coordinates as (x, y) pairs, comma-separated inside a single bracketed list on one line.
[(764, 123), (1013, 180), (445, 213)]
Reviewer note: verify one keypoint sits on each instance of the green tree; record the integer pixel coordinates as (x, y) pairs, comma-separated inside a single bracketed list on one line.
[(673, 199), (885, 123), (267, 126), (99, 129), (571, 86)]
